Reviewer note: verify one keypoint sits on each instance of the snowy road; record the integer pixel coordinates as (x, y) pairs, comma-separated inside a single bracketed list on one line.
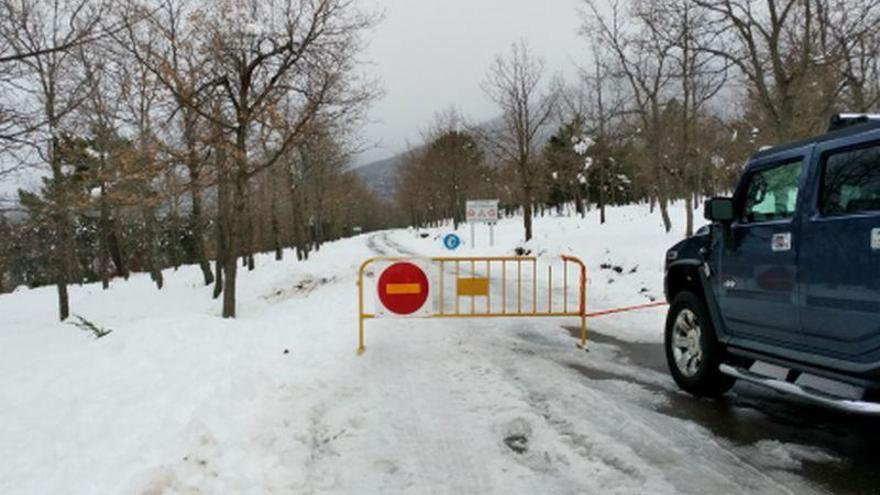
[(177, 400), (587, 422)]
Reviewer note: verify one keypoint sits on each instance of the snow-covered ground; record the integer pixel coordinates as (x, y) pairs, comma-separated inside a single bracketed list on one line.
[(178, 400)]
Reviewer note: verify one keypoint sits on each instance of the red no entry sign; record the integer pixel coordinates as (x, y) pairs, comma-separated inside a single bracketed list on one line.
[(403, 288)]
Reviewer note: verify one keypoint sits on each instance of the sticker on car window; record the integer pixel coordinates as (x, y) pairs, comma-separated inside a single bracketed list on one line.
[(875, 239)]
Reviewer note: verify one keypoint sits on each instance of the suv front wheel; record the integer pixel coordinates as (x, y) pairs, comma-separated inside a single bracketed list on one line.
[(693, 352)]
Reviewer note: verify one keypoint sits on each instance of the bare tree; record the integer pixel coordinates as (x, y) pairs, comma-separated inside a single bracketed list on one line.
[(52, 87), (776, 45), (175, 56), (848, 35), (440, 175), (267, 62), (698, 76), (643, 58), (514, 83), (86, 29)]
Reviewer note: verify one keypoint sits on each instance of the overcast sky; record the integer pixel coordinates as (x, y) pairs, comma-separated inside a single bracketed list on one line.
[(431, 54)]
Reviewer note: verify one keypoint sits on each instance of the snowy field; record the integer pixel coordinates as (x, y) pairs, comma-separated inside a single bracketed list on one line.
[(177, 400)]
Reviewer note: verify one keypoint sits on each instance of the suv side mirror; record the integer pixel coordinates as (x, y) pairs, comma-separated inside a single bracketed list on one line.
[(719, 210)]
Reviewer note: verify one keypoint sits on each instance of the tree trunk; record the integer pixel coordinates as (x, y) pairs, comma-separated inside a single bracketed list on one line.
[(232, 232), (299, 237), (150, 238), (218, 276), (195, 224), (247, 217), (64, 229), (273, 219), (220, 258), (104, 241), (602, 190), (174, 245), (664, 212), (689, 229), (117, 251), (226, 257), (222, 220), (527, 221), (63, 301), (63, 268)]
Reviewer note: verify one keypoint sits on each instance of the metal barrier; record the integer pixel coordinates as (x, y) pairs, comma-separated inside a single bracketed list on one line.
[(474, 283)]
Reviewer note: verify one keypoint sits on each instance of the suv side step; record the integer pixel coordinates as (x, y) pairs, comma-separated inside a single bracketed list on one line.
[(816, 396)]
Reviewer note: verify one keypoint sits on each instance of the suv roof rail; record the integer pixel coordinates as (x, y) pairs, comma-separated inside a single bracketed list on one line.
[(844, 120), (843, 124)]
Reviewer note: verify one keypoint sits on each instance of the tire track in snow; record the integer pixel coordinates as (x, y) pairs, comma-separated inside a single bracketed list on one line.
[(383, 245)]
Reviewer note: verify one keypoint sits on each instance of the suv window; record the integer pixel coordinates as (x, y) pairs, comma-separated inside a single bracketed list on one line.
[(772, 192), (851, 181)]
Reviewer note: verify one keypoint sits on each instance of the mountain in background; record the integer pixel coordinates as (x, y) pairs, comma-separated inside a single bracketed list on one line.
[(380, 176)]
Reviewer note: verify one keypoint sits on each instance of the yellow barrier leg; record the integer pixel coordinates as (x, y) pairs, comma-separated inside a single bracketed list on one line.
[(361, 346), (360, 283), (583, 344)]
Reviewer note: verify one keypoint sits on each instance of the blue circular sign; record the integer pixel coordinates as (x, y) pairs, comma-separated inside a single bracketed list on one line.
[(451, 241)]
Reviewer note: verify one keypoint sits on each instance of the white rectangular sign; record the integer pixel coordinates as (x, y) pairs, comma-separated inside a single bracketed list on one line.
[(482, 211)]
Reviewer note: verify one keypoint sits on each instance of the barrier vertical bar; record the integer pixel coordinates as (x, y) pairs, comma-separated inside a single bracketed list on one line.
[(473, 275), (583, 306), (519, 286), (457, 276), (504, 287), (534, 286), (489, 286), (549, 288), (565, 285), (442, 311), (361, 346)]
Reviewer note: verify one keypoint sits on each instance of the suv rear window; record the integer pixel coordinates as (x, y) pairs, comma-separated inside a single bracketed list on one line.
[(851, 181), (772, 192)]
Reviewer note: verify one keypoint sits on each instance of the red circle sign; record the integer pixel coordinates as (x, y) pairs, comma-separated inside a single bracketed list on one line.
[(403, 288)]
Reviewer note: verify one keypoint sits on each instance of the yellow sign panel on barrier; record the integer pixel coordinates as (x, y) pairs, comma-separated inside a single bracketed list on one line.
[(512, 280), (473, 287)]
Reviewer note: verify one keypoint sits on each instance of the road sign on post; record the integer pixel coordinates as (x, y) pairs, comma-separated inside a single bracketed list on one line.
[(482, 211), (403, 289), (451, 241)]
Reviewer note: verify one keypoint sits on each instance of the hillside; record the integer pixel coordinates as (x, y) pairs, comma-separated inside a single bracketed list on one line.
[(380, 175)]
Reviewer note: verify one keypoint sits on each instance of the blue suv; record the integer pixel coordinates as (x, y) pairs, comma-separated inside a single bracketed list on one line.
[(787, 276)]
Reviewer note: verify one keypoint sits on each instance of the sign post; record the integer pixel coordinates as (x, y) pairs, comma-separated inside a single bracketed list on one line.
[(482, 211)]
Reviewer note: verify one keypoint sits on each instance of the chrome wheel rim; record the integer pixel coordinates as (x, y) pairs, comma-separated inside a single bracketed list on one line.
[(687, 348)]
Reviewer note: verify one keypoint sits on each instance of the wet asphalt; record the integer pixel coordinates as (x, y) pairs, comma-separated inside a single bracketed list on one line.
[(748, 414)]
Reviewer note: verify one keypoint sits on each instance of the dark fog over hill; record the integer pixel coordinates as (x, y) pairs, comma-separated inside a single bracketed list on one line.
[(380, 175)]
